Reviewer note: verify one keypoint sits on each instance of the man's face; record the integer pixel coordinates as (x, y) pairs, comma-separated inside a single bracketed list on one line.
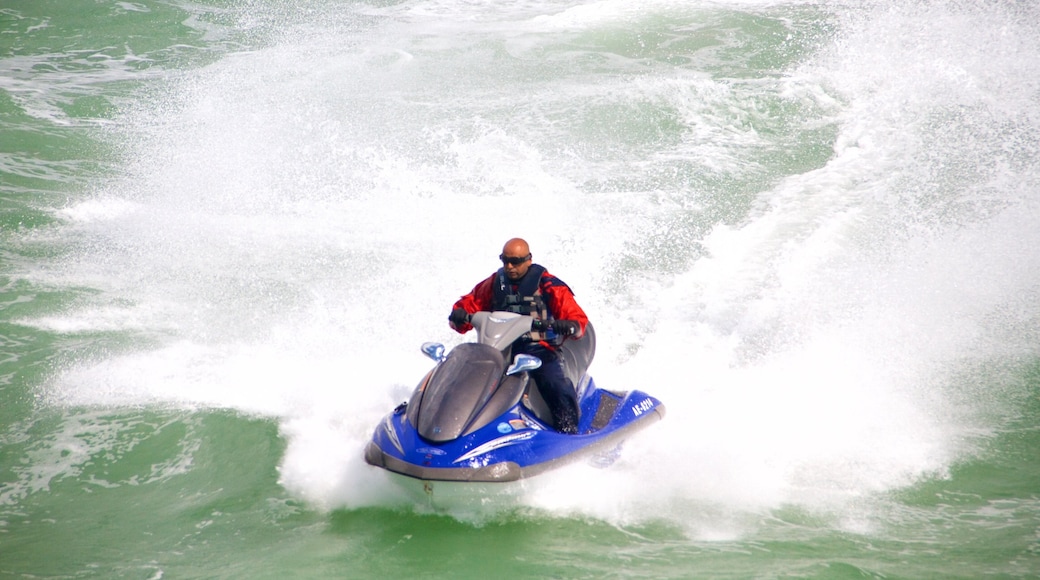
[(515, 262)]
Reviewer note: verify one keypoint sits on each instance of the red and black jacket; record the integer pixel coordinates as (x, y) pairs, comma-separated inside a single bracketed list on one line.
[(538, 293)]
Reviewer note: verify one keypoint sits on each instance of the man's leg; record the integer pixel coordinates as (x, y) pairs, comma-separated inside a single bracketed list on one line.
[(557, 391)]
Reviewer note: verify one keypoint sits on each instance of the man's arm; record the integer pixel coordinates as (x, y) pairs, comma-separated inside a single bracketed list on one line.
[(563, 304), (478, 299)]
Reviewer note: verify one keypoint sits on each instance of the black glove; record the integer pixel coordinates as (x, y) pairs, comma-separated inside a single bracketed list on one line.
[(458, 317), (565, 327)]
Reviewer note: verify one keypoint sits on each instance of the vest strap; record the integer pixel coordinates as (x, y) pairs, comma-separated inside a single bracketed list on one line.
[(523, 297)]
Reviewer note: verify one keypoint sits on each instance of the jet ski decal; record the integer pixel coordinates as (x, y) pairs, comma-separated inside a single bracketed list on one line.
[(497, 444)]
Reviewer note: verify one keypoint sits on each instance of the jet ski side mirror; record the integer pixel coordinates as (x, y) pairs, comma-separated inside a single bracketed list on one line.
[(523, 363), (434, 350)]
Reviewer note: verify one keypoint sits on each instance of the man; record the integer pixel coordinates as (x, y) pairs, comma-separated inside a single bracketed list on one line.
[(526, 288)]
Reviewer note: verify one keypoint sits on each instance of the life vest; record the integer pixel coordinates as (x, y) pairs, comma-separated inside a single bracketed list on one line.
[(524, 297)]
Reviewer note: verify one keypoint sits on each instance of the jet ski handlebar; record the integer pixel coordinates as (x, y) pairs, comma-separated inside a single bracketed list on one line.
[(460, 316)]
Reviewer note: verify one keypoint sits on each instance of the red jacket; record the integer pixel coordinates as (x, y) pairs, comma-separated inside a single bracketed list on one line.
[(557, 296)]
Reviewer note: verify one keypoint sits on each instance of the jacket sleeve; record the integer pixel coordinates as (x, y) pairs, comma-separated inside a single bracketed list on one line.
[(562, 303), (478, 299)]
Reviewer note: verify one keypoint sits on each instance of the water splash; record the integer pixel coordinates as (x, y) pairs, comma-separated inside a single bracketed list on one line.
[(286, 236)]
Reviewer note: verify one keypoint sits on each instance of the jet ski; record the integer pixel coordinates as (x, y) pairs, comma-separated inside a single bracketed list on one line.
[(477, 415)]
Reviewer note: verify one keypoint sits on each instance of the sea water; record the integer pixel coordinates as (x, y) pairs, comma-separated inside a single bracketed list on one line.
[(809, 228)]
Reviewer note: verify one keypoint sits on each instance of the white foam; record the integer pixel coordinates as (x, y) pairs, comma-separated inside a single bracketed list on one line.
[(286, 236), (98, 210)]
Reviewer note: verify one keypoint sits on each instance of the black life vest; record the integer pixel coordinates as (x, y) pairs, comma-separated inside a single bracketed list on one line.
[(523, 297)]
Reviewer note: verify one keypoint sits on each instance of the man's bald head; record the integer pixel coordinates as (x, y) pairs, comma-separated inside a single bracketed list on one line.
[(516, 258)]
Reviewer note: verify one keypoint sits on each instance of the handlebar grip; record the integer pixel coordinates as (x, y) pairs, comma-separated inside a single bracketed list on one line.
[(459, 316)]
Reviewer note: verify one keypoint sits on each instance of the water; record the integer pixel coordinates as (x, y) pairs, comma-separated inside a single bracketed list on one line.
[(808, 227)]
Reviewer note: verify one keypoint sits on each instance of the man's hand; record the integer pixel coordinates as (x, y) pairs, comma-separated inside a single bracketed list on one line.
[(565, 327), (458, 317)]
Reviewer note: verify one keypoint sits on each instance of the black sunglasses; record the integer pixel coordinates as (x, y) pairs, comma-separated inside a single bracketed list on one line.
[(513, 261)]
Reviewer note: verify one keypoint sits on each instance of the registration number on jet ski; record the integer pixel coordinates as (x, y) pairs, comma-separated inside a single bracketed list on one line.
[(642, 406)]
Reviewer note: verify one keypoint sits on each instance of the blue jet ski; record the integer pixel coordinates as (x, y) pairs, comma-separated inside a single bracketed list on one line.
[(477, 417)]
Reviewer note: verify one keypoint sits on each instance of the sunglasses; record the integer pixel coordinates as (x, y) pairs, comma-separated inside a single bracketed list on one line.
[(513, 261)]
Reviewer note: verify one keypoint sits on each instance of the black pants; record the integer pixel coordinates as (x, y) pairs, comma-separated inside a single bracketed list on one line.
[(556, 389)]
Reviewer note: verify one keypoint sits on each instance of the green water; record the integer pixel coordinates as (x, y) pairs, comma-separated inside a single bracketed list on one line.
[(808, 228)]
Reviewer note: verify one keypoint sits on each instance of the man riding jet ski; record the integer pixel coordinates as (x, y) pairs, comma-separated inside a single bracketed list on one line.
[(523, 287), (476, 418)]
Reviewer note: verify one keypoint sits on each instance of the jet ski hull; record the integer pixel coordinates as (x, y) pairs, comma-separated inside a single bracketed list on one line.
[(516, 445)]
